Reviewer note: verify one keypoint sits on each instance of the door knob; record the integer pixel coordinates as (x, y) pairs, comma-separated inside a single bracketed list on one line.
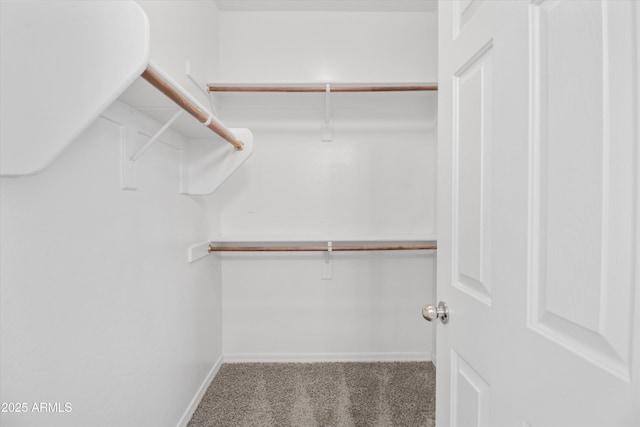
[(430, 312)]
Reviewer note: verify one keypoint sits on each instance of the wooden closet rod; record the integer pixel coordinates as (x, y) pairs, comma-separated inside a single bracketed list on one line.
[(407, 247), (164, 85), (388, 88)]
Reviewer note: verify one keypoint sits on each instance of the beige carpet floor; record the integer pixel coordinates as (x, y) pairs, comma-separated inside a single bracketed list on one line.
[(320, 394)]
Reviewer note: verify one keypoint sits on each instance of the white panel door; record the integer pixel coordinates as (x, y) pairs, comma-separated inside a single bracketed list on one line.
[(538, 255)]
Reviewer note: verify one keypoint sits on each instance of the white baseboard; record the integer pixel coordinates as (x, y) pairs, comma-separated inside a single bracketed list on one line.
[(433, 358), (324, 357), (193, 405)]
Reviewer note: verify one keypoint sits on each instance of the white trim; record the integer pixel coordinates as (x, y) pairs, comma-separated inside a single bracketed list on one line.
[(198, 251), (325, 357), (193, 405)]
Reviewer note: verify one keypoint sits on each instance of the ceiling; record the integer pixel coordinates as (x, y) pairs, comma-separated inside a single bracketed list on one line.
[(329, 5)]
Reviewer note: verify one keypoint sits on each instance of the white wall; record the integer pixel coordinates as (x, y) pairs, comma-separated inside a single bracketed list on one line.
[(376, 178), (277, 307), (98, 306), (328, 46), (184, 30)]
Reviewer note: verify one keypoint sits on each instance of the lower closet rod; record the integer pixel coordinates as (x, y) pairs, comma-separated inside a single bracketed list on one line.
[(213, 248)]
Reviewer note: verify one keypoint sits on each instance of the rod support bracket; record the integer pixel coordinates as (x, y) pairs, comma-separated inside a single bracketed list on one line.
[(326, 272), (207, 122), (198, 251), (327, 124)]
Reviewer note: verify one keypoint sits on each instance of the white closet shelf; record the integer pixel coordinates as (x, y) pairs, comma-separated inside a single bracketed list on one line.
[(321, 246), (310, 87), (85, 84), (330, 247), (345, 105), (310, 243), (314, 238)]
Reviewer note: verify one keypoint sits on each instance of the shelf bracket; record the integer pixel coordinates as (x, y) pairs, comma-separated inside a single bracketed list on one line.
[(327, 263), (200, 87), (327, 125), (198, 251), (128, 137), (155, 137), (130, 134)]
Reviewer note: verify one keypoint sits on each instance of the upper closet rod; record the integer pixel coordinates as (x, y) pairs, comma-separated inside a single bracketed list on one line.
[(322, 88), (165, 85)]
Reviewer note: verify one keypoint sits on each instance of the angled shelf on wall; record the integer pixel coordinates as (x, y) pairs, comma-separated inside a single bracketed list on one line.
[(86, 55)]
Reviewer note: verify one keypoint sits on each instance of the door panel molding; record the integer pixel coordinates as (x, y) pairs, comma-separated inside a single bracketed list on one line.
[(581, 265), (472, 133), (469, 394), (463, 12)]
